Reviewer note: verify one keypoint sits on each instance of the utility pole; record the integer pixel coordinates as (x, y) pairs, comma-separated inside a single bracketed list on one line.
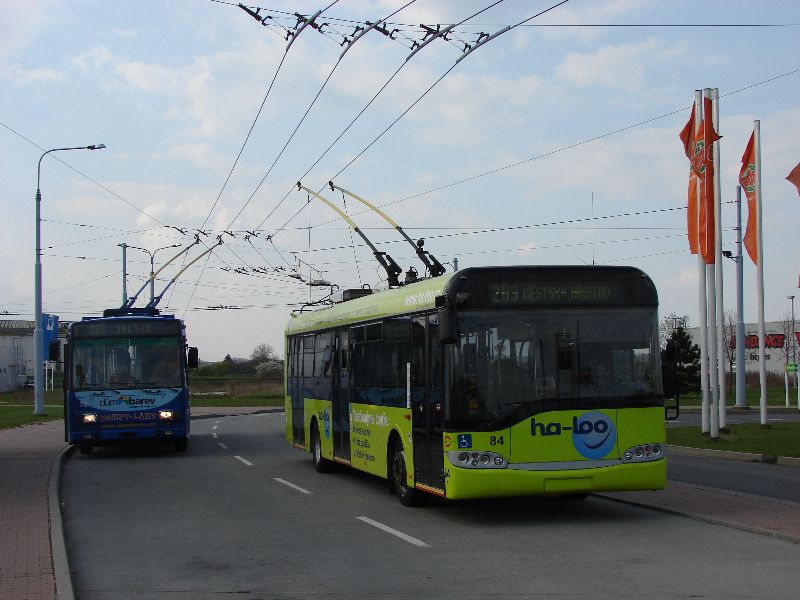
[(124, 247), (741, 400)]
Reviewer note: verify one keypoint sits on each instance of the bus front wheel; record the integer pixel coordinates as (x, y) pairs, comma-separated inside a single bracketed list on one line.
[(181, 444), (321, 464), (399, 477), (85, 447)]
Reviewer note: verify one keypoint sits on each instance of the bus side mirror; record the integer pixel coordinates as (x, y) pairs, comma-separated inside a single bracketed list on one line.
[(669, 382), (65, 380), (448, 325), (192, 360), (54, 351)]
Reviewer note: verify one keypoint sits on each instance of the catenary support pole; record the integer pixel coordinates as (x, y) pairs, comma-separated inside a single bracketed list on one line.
[(741, 400), (702, 297)]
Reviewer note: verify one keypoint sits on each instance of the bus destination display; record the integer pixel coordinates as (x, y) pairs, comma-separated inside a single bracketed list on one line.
[(508, 294), (97, 329)]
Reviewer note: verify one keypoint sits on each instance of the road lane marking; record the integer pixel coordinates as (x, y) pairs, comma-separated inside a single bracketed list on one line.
[(403, 536), (214, 435), (243, 460), (291, 485), (214, 427), (221, 445)]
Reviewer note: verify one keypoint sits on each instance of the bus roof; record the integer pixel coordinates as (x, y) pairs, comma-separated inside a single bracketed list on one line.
[(585, 284), (409, 298)]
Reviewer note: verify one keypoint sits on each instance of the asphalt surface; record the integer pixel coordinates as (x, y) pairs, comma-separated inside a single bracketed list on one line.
[(772, 481), (244, 514)]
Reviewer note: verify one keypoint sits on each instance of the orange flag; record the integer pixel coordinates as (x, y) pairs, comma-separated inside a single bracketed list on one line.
[(794, 177), (687, 137), (707, 231), (747, 179)]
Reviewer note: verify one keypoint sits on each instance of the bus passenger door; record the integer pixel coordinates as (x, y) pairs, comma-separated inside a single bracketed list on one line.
[(426, 402), (341, 396)]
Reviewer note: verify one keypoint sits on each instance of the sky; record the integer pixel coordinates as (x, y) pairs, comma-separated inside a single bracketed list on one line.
[(554, 143)]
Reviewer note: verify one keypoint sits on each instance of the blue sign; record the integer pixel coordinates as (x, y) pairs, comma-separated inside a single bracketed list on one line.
[(49, 327), (465, 440), (594, 434)]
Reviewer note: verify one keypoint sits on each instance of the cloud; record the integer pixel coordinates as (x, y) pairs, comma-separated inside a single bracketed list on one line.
[(24, 77)]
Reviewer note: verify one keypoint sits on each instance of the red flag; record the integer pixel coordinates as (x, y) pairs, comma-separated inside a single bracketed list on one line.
[(794, 177), (703, 164), (687, 136), (747, 179)]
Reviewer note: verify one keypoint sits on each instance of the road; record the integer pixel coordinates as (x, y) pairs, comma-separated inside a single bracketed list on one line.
[(243, 515), (692, 417)]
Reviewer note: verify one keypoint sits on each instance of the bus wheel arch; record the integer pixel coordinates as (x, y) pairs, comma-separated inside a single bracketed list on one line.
[(396, 472), (321, 464)]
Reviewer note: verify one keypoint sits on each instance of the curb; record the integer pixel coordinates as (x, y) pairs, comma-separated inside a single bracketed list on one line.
[(64, 589), (786, 461), (703, 519)]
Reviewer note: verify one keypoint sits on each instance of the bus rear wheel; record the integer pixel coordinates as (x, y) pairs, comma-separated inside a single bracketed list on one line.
[(321, 464), (399, 477)]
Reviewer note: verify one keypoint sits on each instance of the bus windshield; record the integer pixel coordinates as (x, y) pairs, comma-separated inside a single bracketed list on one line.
[(125, 362), (507, 365)]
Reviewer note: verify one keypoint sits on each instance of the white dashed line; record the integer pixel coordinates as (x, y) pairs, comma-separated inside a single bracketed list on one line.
[(221, 445), (214, 427), (214, 435), (243, 460), (403, 536), (291, 485)]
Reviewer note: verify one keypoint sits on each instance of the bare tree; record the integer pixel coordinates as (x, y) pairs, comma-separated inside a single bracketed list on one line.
[(729, 345), (668, 325), (263, 353)]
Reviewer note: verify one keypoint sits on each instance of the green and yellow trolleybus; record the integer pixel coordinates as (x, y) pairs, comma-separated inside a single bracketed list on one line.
[(491, 381)]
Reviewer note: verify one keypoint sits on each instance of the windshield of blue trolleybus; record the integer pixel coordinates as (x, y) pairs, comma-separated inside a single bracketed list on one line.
[(507, 365), (119, 363)]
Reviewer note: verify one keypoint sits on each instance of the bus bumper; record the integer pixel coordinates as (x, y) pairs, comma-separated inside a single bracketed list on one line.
[(463, 483), (120, 435)]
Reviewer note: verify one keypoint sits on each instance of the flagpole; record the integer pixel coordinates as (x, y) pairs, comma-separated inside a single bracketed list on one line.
[(718, 253), (711, 269), (702, 299), (762, 364)]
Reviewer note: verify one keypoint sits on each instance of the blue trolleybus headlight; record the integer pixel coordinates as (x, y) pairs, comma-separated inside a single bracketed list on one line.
[(89, 418), (165, 415)]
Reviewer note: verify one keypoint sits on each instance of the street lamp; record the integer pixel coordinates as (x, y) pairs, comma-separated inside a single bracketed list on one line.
[(152, 264), (38, 338)]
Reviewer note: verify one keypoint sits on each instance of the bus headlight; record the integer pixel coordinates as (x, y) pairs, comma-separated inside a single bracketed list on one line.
[(476, 460), (90, 418), (165, 415), (643, 453)]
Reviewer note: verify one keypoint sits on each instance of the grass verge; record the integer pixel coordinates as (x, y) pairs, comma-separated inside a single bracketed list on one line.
[(781, 439), (14, 416)]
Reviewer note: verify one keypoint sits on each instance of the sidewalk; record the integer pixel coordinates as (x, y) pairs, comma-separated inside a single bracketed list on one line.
[(30, 455), (27, 455)]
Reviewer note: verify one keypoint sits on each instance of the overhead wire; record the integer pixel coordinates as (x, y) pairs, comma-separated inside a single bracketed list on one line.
[(84, 175)]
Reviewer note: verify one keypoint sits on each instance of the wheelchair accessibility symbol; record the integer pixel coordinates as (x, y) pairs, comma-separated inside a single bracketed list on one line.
[(465, 440)]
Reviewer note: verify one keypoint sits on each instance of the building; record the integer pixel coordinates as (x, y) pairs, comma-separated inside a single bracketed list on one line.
[(781, 347), (16, 352)]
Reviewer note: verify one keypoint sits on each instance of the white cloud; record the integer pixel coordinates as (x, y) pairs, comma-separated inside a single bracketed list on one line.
[(24, 77)]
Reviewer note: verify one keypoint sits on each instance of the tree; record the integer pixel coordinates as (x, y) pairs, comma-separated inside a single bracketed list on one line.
[(729, 343), (686, 357), (263, 353), (667, 325)]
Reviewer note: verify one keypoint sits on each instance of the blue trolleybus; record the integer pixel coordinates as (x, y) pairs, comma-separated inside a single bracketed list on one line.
[(125, 379)]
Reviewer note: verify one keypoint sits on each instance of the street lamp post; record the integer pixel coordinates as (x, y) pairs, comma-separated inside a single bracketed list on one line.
[(152, 264), (38, 335)]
